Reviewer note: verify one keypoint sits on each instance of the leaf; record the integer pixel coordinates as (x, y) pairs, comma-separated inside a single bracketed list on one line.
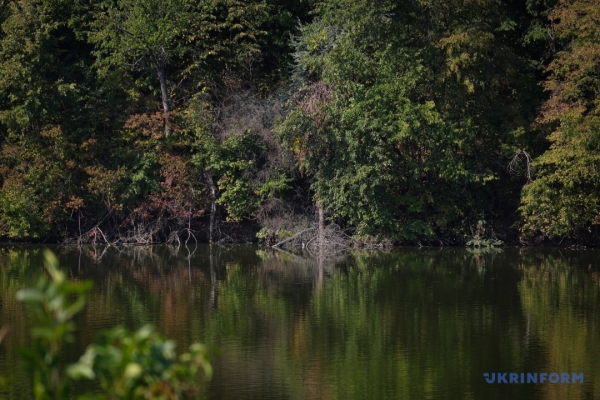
[(44, 332), (29, 295), (144, 332), (51, 263), (132, 371), (80, 371)]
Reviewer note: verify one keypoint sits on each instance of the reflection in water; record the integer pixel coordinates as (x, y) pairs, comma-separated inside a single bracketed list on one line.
[(408, 324)]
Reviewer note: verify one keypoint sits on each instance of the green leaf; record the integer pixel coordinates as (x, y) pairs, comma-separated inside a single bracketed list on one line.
[(80, 371), (29, 295)]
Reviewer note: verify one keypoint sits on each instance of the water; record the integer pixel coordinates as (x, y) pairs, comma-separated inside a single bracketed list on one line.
[(408, 324)]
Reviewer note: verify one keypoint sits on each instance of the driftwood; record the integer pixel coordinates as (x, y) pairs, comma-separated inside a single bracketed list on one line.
[(330, 238), (318, 237), (294, 237)]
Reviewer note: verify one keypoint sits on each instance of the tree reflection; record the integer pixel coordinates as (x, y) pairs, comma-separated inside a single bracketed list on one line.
[(414, 324)]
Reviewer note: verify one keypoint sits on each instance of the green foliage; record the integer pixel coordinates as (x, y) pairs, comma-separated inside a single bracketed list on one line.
[(563, 200), (19, 214), (80, 136), (400, 116), (141, 365), (376, 122), (139, 34), (29, 57), (481, 237), (128, 365), (181, 36), (235, 161), (53, 303), (279, 22)]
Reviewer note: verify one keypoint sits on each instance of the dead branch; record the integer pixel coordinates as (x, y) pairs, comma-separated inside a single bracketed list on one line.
[(294, 237), (516, 167)]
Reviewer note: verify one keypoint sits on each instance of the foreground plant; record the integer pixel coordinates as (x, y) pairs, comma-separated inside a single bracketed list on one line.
[(141, 365), (128, 365), (52, 304)]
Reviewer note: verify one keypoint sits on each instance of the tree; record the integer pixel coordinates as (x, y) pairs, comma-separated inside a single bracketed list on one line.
[(563, 200), (142, 35), (44, 104), (178, 36), (402, 112)]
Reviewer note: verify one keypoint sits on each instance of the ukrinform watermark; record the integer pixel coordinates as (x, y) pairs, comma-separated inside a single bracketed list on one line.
[(535, 377)]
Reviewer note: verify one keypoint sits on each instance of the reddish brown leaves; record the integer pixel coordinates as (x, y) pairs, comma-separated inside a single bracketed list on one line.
[(151, 125), (574, 80)]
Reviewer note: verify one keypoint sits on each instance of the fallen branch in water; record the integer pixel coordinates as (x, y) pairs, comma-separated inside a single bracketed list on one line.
[(294, 237), (318, 237)]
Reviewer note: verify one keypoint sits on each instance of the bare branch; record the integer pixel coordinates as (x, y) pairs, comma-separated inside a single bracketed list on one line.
[(516, 167), (294, 237)]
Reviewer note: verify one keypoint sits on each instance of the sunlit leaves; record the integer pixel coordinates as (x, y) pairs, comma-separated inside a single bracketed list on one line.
[(139, 34), (141, 365), (563, 200)]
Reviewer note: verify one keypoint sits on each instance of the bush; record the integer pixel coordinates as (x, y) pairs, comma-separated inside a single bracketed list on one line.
[(127, 365)]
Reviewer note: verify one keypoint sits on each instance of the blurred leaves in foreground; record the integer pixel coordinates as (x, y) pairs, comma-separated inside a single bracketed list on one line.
[(127, 365)]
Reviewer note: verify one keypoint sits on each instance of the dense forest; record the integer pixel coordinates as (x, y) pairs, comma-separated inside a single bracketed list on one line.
[(406, 121)]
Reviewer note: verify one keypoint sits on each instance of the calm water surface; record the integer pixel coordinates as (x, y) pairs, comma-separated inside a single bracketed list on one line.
[(408, 324)]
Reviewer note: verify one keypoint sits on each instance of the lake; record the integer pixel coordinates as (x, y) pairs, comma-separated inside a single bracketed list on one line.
[(405, 324)]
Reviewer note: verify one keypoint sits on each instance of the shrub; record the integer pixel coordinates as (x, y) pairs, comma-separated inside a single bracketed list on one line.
[(128, 365)]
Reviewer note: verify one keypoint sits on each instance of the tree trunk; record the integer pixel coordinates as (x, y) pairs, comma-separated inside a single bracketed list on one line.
[(165, 98), (214, 195), (321, 224)]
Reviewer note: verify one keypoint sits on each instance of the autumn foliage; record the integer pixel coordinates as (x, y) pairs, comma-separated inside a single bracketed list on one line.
[(413, 121)]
